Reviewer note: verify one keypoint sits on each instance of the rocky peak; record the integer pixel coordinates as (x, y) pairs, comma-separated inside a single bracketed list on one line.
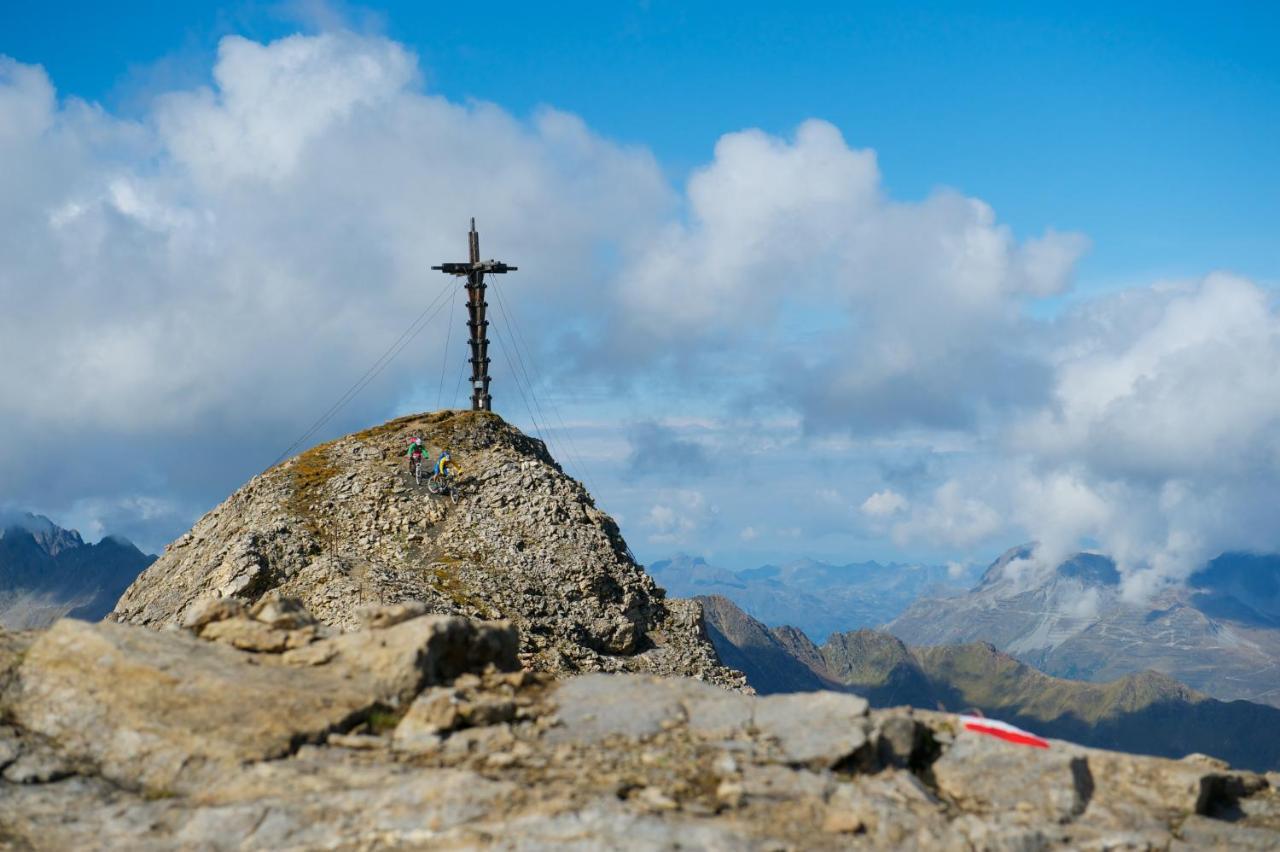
[(343, 526), (1017, 567), (47, 572), (1091, 569), (748, 646), (799, 645), (860, 655), (47, 535), (996, 572)]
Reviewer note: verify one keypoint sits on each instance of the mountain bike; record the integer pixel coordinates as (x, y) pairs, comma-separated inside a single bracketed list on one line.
[(416, 464), (442, 485)]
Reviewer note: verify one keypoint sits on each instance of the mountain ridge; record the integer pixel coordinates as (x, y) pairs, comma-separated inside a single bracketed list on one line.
[(47, 572), (1220, 633), (1146, 712)]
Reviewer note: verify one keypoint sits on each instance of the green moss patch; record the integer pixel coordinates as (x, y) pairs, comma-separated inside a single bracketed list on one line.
[(307, 478)]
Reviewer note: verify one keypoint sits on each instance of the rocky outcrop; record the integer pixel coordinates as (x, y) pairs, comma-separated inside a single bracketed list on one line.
[(343, 526), (168, 712), (414, 732)]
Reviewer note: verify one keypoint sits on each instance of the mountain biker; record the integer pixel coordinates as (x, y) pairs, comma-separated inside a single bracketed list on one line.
[(445, 466), (416, 451)]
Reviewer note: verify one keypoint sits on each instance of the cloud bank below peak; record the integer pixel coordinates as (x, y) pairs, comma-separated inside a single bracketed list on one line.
[(1159, 442)]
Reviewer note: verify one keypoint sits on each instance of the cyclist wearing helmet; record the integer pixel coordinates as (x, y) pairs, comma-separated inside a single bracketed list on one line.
[(416, 451), (445, 465)]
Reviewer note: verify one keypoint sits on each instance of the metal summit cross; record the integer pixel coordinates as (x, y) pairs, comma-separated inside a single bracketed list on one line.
[(474, 270)]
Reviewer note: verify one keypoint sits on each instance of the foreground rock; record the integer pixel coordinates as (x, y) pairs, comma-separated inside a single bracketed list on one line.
[(165, 712), (414, 734), (343, 526)]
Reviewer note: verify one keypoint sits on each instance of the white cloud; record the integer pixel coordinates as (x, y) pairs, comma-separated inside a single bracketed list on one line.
[(952, 517), (193, 289), (1170, 380), (911, 307), (1161, 442), (272, 101), (184, 293), (758, 212), (678, 517), (884, 503), (1158, 444)]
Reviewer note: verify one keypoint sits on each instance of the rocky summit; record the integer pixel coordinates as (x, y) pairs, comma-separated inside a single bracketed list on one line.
[(343, 526), (418, 731)]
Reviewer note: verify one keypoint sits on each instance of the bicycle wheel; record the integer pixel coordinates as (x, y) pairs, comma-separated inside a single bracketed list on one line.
[(434, 485)]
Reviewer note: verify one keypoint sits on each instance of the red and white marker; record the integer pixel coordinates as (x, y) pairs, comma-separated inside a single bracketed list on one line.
[(1002, 730)]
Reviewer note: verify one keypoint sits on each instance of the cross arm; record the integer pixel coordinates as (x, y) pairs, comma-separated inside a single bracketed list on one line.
[(490, 266)]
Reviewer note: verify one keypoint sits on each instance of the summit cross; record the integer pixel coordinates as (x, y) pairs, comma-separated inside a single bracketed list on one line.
[(474, 271)]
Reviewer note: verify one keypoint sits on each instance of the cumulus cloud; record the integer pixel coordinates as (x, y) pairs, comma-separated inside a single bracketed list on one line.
[(678, 516), (952, 516), (1161, 441), (182, 294), (273, 101), (912, 308), (884, 503), (1174, 380), (192, 289), (1158, 443)]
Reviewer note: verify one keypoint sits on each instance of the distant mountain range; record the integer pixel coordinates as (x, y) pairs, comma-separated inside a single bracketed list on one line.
[(817, 597), (1145, 712), (1220, 633), (47, 572)]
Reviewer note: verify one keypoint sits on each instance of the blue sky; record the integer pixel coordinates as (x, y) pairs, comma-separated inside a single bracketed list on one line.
[(943, 256)]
